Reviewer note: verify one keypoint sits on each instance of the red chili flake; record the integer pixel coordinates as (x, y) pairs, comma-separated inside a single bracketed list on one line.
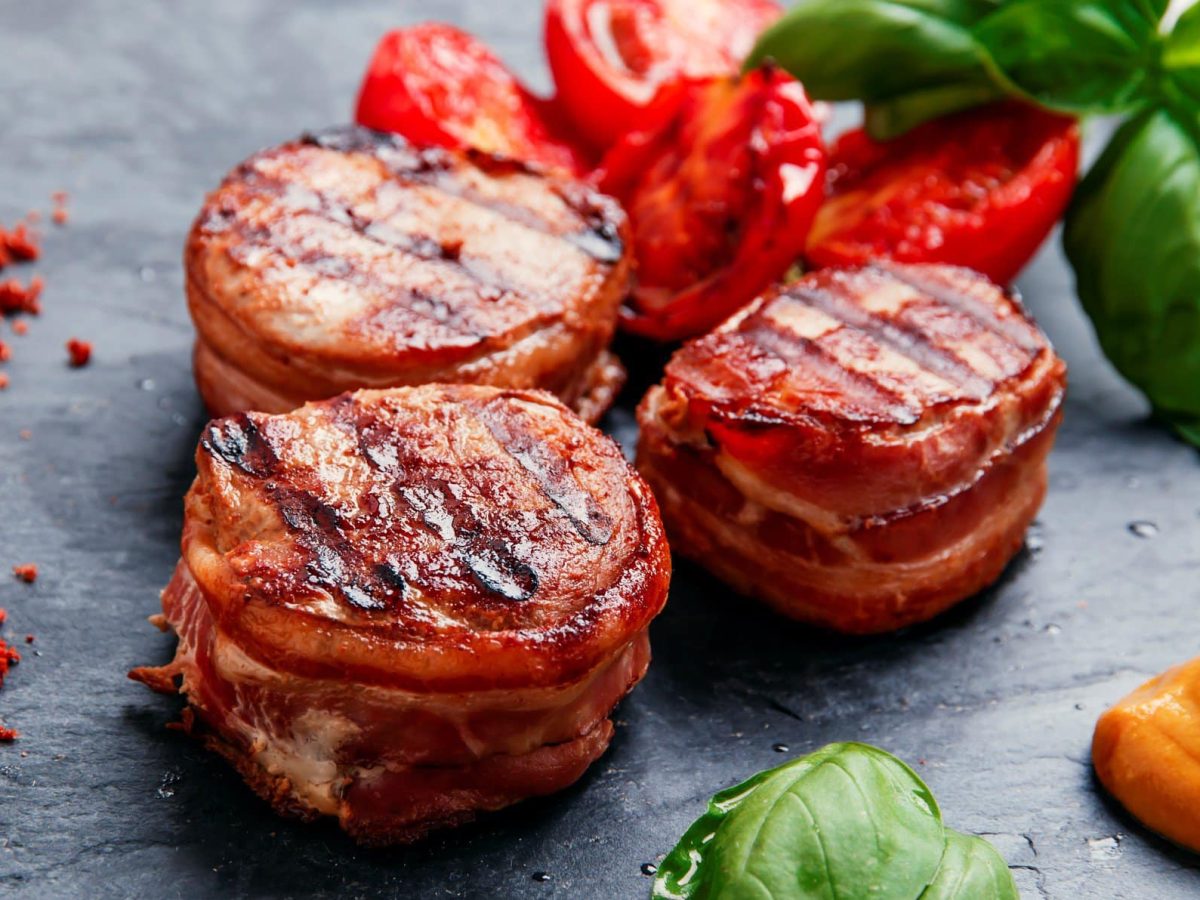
[(14, 298), (60, 214), (20, 327), (8, 735), (27, 572), (29, 638), (5, 353), (3, 615), (3, 382), (24, 434), (80, 352), (21, 244), (8, 657)]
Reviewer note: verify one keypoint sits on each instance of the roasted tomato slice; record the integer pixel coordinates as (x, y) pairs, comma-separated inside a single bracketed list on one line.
[(436, 85), (609, 57), (980, 189), (721, 188)]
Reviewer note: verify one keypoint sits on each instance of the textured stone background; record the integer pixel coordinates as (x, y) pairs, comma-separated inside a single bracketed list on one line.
[(137, 108)]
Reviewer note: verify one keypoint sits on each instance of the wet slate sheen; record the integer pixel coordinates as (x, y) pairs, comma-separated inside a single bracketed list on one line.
[(137, 109)]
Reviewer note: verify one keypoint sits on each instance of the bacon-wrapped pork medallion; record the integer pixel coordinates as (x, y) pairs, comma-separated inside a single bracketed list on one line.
[(404, 607), (352, 259), (861, 449)]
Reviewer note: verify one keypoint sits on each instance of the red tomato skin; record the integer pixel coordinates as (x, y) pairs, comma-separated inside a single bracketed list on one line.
[(1016, 168), (702, 255), (607, 80), (439, 86)]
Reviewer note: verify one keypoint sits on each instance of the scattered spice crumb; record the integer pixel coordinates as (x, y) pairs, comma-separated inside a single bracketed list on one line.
[(29, 638), (80, 352), (27, 572), (20, 327), (14, 298), (60, 214)]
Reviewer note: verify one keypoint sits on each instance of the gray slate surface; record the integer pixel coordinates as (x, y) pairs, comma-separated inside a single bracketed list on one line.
[(137, 109)]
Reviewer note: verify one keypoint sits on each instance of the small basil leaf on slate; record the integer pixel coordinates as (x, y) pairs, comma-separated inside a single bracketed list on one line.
[(1132, 235), (1080, 56), (971, 868), (874, 50), (847, 821)]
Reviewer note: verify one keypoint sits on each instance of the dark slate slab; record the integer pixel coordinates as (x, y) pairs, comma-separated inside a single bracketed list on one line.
[(136, 109)]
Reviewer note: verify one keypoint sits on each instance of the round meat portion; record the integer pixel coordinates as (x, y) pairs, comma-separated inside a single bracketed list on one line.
[(352, 259), (861, 448), (404, 607)]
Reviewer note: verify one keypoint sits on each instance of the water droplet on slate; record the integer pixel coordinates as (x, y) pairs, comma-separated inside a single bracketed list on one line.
[(649, 869), (780, 748), (1035, 541), (541, 876), (1143, 529), (146, 384), (1052, 630)]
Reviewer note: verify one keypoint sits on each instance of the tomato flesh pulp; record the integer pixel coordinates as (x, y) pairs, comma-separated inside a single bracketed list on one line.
[(721, 186), (610, 57), (437, 85), (980, 189)]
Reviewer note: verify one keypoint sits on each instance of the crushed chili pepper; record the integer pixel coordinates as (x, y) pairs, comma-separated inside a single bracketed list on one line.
[(16, 299), (3, 382), (8, 735), (80, 352), (20, 244), (5, 353), (60, 214), (27, 572)]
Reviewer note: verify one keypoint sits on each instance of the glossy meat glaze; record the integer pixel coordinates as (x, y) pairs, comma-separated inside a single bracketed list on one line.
[(860, 448), (404, 607), (352, 259)]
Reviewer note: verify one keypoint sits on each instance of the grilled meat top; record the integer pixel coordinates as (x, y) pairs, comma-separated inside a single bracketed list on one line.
[(390, 527), (363, 250), (868, 391)]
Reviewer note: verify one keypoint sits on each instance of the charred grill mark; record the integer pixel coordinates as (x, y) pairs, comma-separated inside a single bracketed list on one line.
[(799, 352), (1015, 331), (552, 474), (238, 441), (909, 342), (321, 529), (440, 508), (488, 282)]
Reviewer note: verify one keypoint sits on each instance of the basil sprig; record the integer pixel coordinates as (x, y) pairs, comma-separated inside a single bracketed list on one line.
[(847, 821), (1133, 230)]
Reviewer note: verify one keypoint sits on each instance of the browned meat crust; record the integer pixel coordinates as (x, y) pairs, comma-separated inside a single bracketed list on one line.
[(351, 259), (861, 449), (404, 607)]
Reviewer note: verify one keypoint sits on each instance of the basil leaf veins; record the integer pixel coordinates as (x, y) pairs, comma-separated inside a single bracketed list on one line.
[(846, 822)]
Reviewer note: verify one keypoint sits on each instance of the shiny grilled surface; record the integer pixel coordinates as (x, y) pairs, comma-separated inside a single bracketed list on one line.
[(425, 520), (884, 346), (360, 248)]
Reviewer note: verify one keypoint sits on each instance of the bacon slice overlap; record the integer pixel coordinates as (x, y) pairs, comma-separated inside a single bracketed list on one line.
[(861, 449), (404, 607)]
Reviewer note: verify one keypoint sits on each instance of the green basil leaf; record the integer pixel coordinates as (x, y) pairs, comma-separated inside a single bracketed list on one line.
[(873, 50), (1181, 55), (846, 822), (1133, 238), (1080, 56), (971, 868)]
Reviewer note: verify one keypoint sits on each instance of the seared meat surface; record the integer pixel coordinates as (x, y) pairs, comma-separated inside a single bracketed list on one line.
[(404, 607), (352, 259), (862, 448)]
